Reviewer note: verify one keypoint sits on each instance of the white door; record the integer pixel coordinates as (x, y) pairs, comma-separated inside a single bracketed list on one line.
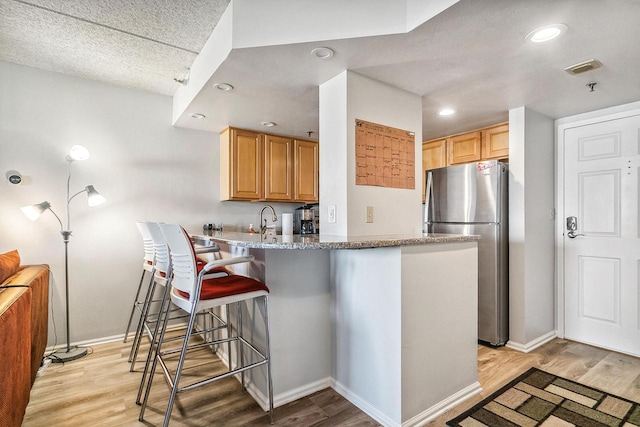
[(602, 263)]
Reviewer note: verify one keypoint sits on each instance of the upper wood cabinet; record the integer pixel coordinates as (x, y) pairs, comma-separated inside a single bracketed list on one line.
[(483, 144), (241, 165), (278, 166), (434, 155), (307, 171), (495, 142), (256, 166), (465, 148)]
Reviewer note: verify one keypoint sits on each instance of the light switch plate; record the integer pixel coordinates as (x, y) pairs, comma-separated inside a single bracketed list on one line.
[(369, 213), (331, 214)]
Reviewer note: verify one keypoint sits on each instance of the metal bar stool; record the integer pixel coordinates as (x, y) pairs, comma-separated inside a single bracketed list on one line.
[(192, 291), (160, 271), (147, 267), (150, 319)]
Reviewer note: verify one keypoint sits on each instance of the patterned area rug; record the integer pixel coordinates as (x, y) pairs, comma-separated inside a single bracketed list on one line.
[(537, 398)]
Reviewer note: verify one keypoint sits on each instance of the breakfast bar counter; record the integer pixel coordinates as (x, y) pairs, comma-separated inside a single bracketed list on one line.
[(315, 241), (390, 322)]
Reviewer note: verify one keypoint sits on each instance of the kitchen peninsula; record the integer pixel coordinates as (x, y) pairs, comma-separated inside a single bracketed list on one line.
[(390, 322)]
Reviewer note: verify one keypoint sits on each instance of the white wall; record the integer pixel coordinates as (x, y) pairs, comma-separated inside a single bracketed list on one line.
[(146, 169), (420, 11), (211, 56), (396, 211), (401, 367), (333, 155), (367, 311), (531, 228), (274, 22), (439, 325)]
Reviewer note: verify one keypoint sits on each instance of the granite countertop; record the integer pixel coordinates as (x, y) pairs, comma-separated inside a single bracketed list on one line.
[(315, 241)]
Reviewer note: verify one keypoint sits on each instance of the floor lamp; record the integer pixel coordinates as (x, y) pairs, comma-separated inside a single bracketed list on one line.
[(33, 212)]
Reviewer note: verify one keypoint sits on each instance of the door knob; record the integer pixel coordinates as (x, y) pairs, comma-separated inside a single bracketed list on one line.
[(572, 227)]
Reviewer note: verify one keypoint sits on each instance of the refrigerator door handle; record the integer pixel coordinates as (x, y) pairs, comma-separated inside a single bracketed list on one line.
[(428, 200)]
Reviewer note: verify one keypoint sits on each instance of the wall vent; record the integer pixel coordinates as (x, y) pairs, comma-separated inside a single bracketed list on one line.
[(583, 67)]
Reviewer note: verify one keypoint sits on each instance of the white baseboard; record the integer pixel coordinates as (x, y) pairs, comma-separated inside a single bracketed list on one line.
[(278, 399), (363, 405), (288, 396), (419, 420), (300, 392), (438, 409), (105, 340), (532, 345), (88, 343)]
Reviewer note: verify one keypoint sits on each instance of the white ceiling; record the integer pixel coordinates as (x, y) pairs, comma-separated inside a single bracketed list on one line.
[(471, 57)]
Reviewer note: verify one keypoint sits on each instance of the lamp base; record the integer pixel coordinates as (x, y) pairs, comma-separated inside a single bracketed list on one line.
[(68, 354)]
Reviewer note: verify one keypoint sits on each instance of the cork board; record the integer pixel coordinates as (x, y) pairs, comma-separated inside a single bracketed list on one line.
[(385, 156)]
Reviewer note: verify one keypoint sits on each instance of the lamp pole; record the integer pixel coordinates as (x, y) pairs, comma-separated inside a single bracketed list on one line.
[(33, 213), (75, 352)]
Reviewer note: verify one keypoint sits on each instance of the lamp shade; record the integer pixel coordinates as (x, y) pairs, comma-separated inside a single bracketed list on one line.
[(78, 152), (93, 197), (33, 212)]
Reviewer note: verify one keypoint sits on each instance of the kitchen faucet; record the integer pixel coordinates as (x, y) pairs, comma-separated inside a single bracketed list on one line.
[(263, 225)]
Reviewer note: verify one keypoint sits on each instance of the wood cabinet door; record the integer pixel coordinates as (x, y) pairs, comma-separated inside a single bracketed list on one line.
[(246, 165), (307, 171), (278, 178), (464, 148), (434, 155), (495, 142)]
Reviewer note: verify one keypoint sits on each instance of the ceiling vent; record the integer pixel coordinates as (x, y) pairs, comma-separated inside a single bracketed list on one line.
[(583, 67)]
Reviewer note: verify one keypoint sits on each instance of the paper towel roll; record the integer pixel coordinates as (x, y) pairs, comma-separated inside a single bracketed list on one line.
[(287, 224)]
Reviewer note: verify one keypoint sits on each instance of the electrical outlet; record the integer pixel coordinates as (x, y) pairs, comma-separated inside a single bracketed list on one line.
[(369, 213), (332, 214)]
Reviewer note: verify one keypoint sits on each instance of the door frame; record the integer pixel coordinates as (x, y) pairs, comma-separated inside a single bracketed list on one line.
[(607, 114)]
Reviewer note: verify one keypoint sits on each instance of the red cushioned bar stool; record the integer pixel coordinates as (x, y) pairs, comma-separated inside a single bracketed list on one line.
[(160, 280), (193, 292)]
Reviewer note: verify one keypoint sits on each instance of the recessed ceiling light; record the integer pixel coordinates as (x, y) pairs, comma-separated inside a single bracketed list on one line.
[(223, 86), (446, 112), (544, 34), (322, 52), (197, 116), (268, 124)]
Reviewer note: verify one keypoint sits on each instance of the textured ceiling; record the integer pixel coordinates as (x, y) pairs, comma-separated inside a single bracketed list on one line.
[(471, 57), (143, 44)]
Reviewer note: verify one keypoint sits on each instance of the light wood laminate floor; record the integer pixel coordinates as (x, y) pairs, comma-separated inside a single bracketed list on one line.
[(609, 371), (99, 390)]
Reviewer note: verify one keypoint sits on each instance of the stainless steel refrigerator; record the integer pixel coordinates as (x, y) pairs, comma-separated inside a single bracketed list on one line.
[(472, 199)]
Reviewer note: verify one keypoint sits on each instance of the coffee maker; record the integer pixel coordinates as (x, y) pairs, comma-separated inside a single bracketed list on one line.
[(305, 220)]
